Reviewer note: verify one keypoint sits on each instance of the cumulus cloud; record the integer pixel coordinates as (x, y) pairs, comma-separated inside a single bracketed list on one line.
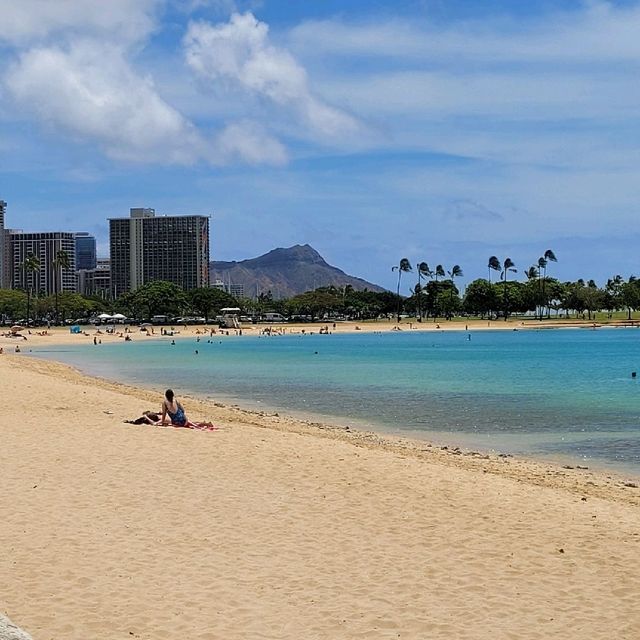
[(91, 92), (26, 20), (240, 53)]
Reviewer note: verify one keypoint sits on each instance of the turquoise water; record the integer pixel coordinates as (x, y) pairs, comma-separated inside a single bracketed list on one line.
[(542, 393)]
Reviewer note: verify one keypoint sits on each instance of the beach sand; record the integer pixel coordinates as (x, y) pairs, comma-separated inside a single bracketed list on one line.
[(278, 528)]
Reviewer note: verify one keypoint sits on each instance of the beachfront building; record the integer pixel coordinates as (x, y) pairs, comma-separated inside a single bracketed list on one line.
[(48, 277), (96, 282), (86, 258), (236, 290), (146, 247), (5, 250)]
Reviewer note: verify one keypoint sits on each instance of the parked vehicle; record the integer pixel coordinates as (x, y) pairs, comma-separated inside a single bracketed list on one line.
[(274, 317)]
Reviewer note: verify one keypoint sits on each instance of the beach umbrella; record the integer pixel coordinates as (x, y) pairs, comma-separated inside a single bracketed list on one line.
[(118, 316), (16, 328), (104, 316)]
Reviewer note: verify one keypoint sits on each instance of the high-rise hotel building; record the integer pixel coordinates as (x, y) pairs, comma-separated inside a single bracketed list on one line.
[(146, 247), (49, 277), (5, 249)]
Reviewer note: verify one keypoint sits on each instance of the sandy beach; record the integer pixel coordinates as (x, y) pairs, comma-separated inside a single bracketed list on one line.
[(272, 527)]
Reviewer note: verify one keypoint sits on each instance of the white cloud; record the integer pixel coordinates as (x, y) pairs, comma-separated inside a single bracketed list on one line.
[(26, 20), (91, 92), (248, 142), (598, 31), (239, 53)]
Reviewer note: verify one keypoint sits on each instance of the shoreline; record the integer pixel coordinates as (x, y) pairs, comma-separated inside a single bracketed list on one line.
[(275, 527), (445, 440), (584, 479), (433, 439)]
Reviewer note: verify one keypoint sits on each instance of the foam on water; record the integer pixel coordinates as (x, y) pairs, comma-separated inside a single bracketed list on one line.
[(565, 392)]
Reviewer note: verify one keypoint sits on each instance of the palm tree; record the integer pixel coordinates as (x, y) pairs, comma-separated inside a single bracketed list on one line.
[(532, 273), (549, 256), (438, 273), (494, 265), (542, 269), (31, 265), (403, 267), (506, 267), (60, 263), (423, 271), (456, 272)]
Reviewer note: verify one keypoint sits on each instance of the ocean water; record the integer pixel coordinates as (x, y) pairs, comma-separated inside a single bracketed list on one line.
[(565, 394)]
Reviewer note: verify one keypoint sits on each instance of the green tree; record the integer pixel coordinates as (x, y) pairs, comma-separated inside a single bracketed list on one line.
[(494, 265), (506, 267), (480, 298), (153, 298), (423, 272), (13, 304), (316, 303), (30, 267), (631, 295), (67, 304), (207, 300), (456, 272), (614, 295), (549, 256), (403, 267)]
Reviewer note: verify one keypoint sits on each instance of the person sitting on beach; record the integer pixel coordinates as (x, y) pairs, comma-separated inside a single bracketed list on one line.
[(175, 411)]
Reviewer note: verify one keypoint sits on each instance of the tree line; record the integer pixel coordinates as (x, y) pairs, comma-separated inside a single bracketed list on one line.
[(539, 294), (434, 295)]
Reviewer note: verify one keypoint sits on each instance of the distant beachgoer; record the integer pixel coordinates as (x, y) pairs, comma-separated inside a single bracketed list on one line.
[(175, 411), (17, 349), (95, 341)]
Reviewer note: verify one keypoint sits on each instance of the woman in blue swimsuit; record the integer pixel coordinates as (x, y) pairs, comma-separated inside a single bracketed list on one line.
[(172, 408)]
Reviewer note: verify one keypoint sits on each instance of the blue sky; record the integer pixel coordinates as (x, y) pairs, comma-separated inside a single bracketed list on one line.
[(443, 131)]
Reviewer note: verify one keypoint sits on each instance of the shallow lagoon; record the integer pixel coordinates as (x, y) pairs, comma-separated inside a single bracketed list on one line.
[(550, 393)]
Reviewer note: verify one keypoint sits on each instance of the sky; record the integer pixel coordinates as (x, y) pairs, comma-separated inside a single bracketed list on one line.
[(443, 131)]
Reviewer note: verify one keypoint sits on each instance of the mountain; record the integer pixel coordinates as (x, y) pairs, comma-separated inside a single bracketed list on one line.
[(286, 273)]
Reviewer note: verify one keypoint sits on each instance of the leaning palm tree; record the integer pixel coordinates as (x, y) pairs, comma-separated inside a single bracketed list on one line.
[(549, 256), (542, 274), (423, 272), (60, 263), (494, 265), (403, 267), (30, 266), (506, 267), (438, 273), (532, 273), (456, 272)]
